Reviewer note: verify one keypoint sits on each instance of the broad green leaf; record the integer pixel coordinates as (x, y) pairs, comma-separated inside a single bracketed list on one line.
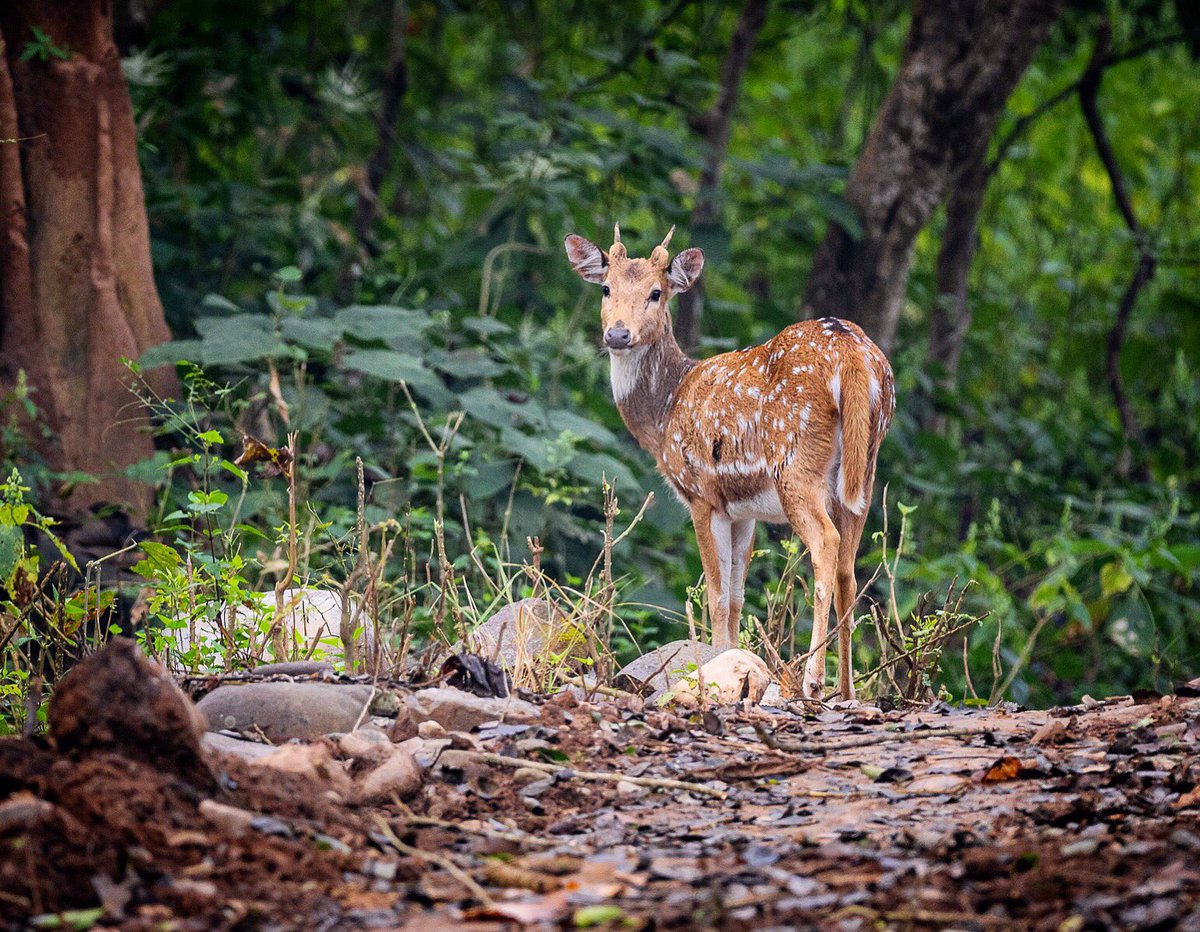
[(242, 338)]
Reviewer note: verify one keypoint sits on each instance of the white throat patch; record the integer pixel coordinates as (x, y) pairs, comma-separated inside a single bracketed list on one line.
[(625, 367)]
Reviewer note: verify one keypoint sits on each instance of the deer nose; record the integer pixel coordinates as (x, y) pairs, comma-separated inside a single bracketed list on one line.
[(617, 336)]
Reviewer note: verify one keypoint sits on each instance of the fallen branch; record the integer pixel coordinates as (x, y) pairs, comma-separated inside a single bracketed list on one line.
[(592, 688), (433, 858), (772, 740), (600, 776), (520, 838), (939, 917)]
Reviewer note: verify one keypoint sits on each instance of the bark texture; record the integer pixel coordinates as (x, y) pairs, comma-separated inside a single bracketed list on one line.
[(714, 126), (78, 288), (950, 318), (961, 61)]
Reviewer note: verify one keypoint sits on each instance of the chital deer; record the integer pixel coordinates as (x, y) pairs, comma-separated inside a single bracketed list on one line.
[(785, 432)]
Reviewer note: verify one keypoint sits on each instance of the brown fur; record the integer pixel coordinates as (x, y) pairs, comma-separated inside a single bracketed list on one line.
[(787, 431)]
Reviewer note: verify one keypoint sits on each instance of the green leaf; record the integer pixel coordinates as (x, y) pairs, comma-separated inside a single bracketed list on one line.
[(167, 354), (1114, 579), (289, 274), (597, 915), (160, 561), (389, 365), (245, 337), (13, 515), (77, 919), (11, 542), (211, 437), (206, 503), (382, 322)]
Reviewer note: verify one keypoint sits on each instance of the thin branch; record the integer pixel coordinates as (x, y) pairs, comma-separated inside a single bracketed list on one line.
[(1089, 88), (599, 776), (773, 741), (1024, 121)]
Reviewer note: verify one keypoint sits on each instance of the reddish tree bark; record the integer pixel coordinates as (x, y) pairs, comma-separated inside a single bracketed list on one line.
[(962, 59), (78, 290)]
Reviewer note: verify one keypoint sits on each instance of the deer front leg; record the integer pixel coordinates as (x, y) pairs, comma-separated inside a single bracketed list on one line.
[(713, 534), (742, 545)]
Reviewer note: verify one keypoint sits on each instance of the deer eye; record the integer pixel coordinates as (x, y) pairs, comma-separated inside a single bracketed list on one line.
[(655, 294), (605, 290)]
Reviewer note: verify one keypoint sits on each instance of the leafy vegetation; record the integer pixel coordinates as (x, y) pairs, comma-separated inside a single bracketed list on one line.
[(429, 308)]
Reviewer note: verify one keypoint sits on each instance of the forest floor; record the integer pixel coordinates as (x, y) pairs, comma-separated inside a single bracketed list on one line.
[(806, 817)]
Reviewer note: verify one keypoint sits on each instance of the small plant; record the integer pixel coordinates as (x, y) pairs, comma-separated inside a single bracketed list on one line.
[(43, 48)]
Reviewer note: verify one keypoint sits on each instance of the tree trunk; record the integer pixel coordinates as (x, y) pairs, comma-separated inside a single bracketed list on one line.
[(366, 208), (78, 289), (950, 318), (962, 59), (714, 126)]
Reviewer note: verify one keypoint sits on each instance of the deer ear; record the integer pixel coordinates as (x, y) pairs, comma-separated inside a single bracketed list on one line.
[(587, 259), (684, 269)]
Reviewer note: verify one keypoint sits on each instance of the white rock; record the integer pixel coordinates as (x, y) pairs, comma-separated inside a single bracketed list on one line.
[(311, 616), (523, 632), (728, 677)]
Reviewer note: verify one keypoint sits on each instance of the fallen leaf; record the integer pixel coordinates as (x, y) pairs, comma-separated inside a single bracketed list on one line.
[(1006, 768)]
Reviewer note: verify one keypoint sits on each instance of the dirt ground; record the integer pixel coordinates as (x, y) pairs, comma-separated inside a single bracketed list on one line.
[(832, 818)]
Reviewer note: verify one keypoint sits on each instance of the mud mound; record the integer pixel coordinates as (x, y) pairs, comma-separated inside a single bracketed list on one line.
[(116, 700), (122, 813)]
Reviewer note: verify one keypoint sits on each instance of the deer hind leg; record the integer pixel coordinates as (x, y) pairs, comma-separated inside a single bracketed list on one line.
[(805, 509), (741, 547), (714, 535), (850, 526)]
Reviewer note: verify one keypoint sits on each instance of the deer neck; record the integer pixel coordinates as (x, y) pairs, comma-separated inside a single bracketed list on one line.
[(645, 382)]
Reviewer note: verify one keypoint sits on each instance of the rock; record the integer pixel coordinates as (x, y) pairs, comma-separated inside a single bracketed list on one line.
[(773, 697), (246, 750), (456, 710), (523, 775), (730, 676), (229, 819), (312, 761), (431, 729), (630, 790), (425, 750), (664, 666), (286, 710), (399, 775), (365, 742), (117, 700), (22, 810), (522, 631)]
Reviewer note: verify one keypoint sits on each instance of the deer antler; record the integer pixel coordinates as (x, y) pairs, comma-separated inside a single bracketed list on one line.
[(618, 248), (660, 257)]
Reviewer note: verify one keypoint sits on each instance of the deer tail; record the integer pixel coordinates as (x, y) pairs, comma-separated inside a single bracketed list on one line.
[(855, 403)]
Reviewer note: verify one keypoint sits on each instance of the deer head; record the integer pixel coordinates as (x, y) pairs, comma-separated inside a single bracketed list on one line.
[(633, 312)]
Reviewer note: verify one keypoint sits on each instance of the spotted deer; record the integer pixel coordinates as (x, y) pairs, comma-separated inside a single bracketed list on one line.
[(786, 432)]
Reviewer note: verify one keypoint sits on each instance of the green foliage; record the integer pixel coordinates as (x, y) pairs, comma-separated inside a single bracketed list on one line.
[(43, 48)]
